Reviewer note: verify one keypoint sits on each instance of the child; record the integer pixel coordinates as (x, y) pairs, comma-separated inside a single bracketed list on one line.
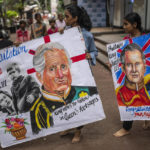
[(76, 16), (22, 35), (53, 28), (38, 29), (132, 26), (60, 23)]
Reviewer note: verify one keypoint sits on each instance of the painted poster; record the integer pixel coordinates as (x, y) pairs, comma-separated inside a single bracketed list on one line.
[(130, 61), (46, 86)]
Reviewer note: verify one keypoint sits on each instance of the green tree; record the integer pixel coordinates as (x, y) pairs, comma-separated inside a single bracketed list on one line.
[(60, 6)]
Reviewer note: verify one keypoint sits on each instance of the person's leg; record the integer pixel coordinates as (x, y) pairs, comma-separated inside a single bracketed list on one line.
[(146, 124), (127, 125), (63, 133), (77, 135)]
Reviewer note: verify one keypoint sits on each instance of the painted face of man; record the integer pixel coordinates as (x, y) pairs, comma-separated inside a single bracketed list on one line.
[(13, 73), (134, 66), (5, 101), (56, 75)]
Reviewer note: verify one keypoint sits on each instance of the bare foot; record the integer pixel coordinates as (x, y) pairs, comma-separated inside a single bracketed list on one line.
[(77, 137), (63, 133), (121, 132), (146, 125)]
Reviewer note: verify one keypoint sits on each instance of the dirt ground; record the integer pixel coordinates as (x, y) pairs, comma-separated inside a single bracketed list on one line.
[(98, 135)]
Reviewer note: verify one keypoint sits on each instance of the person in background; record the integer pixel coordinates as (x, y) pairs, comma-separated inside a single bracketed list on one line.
[(53, 28), (22, 35), (18, 22), (60, 23), (132, 26), (38, 29), (4, 39), (77, 16)]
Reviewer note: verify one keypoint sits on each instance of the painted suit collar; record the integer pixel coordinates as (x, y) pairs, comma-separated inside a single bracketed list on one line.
[(55, 97), (134, 86)]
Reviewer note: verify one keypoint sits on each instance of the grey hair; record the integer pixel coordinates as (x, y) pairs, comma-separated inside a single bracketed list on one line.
[(131, 47), (38, 59)]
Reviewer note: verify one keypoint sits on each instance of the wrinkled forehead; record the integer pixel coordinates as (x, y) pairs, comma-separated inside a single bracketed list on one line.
[(56, 57), (134, 54), (56, 53), (12, 68)]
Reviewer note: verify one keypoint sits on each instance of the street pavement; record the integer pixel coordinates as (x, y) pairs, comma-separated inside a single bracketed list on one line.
[(98, 135)]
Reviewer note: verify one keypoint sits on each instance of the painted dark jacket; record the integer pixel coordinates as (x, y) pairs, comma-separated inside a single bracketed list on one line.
[(41, 112), (21, 88)]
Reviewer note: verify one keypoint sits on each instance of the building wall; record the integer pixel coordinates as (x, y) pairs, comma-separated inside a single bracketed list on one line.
[(118, 12), (139, 7), (148, 15), (67, 2), (96, 10)]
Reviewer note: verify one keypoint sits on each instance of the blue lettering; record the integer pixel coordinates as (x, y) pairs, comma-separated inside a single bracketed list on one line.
[(1, 59), (12, 53), (7, 57), (137, 109), (25, 50)]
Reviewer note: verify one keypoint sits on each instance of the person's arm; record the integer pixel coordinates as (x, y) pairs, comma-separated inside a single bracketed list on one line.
[(45, 29), (92, 50), (33, 90), (17, 42), (28, 36), (31, 94), (17, 37), (14, 101), (32, 34), (21, 104)]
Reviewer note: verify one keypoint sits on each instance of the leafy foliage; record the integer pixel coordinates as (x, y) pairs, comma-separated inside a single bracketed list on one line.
[(11, 14), (60, 6)]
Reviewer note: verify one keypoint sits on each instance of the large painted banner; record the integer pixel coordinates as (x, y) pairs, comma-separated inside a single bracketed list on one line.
[(46, 86), (130, 61)]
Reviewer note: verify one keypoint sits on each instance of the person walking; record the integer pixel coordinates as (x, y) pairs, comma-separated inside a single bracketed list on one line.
[(77, 16), (132, 26), (22, 35)]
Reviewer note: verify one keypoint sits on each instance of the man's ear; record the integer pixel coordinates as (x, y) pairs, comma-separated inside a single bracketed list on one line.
[(122, 68), (135, 24), (39, 76), (76, 18)]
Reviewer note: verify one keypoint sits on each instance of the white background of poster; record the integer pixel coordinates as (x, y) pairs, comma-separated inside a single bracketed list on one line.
[(73, 42), (129, 112)]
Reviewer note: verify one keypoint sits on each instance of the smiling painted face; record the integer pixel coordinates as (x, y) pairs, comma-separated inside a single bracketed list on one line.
[(134, 67), (5, 101), (56, 76)]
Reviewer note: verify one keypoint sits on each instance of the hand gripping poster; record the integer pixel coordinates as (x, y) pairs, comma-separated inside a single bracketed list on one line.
[(130, 61), (46, 86)]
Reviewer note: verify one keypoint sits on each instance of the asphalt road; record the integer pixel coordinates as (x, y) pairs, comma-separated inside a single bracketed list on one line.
[(98, 135)]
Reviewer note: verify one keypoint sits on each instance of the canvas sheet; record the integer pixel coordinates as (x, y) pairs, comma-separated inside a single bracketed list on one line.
[(46, 86), (130, 61)]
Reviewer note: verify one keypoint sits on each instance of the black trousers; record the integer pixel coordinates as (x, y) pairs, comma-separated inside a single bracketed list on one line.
[(79, 128), (127, 125)]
